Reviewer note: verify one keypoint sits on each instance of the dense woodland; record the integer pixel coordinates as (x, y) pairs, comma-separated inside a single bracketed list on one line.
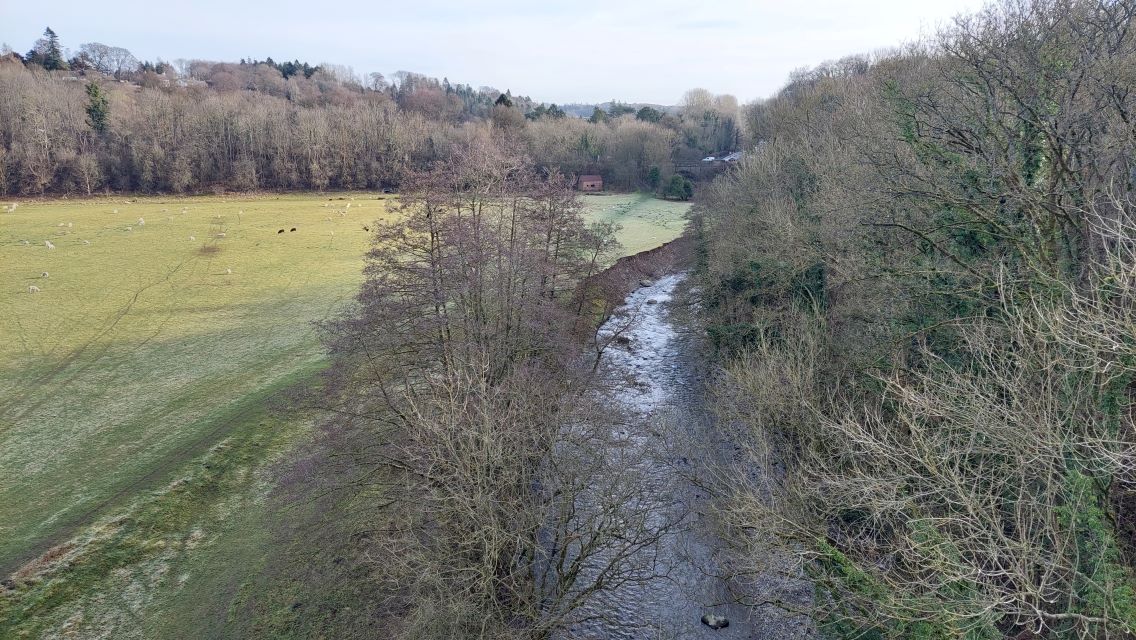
[(922, 286), (103, 121)]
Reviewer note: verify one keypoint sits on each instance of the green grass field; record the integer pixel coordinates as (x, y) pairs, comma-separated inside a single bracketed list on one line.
[(134, 383)]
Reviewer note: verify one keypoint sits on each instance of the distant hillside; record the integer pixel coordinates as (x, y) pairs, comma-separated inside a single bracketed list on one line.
[(582, 110)]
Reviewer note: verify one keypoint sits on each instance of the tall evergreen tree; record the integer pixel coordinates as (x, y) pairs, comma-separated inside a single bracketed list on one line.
[(47, 53), (98, 108)]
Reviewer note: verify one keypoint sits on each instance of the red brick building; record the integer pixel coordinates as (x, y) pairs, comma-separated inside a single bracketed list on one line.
[(590, 183)]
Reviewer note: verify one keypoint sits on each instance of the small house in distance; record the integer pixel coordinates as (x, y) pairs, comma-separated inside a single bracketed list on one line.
[(590, 183)]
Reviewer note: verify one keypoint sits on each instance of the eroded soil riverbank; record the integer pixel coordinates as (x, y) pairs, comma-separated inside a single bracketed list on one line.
[(669, 439)]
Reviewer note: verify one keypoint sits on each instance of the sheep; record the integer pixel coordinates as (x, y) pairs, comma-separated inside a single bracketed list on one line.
[(220, 235), (228, 272), (280, 231), (115, 211), (69, 225), (130, 228), (325, 205), (366, 228), (33, 289), (24, 242), (192, 237), (48, 244), (292, 229), (44, 275), (348, 206), (87, 242), (60, 224), (12, 207), (141, 222)]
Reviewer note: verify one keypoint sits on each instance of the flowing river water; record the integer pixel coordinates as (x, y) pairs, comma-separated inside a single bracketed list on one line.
[(673, 447)]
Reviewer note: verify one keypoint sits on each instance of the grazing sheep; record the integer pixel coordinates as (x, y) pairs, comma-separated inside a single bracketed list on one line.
[(325, 205), (48, 244), (192, 237), (69, 225), (220, 235), (60, 224), (228, 272), (115, 211), (141, 222), (44, 275), (86, 242), (24, 242), (280, 231), (292, 229), (130, 228), (348, 206), (33, 289), (332, 233)]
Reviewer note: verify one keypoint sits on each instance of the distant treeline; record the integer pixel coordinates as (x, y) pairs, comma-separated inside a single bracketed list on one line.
[(103, 121)]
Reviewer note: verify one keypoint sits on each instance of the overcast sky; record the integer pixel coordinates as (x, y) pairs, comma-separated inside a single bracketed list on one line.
[(584, 51)]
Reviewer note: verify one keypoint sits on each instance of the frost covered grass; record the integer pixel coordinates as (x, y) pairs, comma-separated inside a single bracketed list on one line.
[(646, 221), (122, 364)]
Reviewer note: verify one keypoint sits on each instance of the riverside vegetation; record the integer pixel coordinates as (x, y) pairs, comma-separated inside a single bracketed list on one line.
[(921, 286)]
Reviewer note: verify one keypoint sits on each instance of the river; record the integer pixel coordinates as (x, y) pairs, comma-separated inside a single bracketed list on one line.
[(670, 437)]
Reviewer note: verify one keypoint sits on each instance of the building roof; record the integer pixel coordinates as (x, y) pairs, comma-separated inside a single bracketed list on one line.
[(591, 178)]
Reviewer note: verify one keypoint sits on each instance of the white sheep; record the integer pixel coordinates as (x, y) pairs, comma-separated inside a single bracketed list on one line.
[(220, 235), (12, 207), (348, 206), (141, 222), (24, 242), (69, 225), (33, 289), (86, 242), (44, 275), (192, 237), (130, 228), (228, 272), (60, 224), (115, 211), (48, 244)]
